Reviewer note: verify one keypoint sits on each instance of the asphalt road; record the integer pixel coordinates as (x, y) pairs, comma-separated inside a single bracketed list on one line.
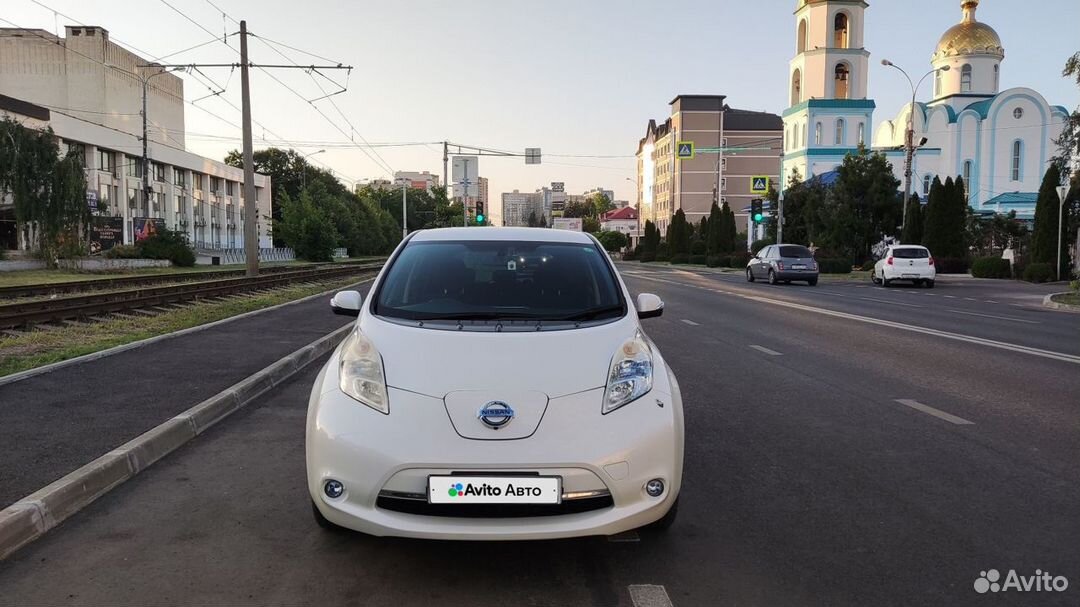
[(830, 461)]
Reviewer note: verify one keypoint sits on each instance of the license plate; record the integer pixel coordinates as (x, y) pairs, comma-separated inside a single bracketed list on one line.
[(494, 489), (798, 266)]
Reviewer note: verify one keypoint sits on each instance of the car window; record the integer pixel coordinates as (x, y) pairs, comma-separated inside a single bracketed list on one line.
[(910, 253), (764, 253), (487, 280), (795, 251)]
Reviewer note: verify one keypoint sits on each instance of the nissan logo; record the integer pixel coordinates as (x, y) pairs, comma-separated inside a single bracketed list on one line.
[(495, 414)]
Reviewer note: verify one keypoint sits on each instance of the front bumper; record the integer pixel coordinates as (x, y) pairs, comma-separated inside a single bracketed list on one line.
[(392, 455)]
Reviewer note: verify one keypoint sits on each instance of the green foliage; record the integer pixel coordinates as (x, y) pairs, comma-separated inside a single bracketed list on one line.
[(680, 258), (306, 226), (1039, 272), (944, 232), (578, 209), (758, 245), (651, 238), (726, 230), (663, 251), (698, 247), (714, 261), (990, 236), (612, 241), (713, 229), (913, 223), (678, 235), (862, 207), (738, 259), (124, 251), (991, 267), (646, 256), (697, 259), (1045, 238), (600, 204), (1069, 141), (590, 225), (168, 244), (951, 265), (834, 266)]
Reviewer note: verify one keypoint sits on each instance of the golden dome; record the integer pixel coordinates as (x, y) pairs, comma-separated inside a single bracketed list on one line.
[(969, 37)]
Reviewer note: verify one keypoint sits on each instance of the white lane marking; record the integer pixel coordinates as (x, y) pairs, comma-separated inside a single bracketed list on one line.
[(950, 297), (624, 537), (914, 404), (990, 343), (989, 301), (649, 595), (970, 299), (1030, 322), (766, 350), (691, 323), (895, 303)]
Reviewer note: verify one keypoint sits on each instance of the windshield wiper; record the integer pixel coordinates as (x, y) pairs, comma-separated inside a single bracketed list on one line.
[(591, 313), (478, 316)]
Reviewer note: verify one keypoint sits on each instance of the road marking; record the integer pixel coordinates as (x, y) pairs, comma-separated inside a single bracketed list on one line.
[(989, 301), (766, 350), (649, 595), (624, 537), (950, 297), (914, 404), (895, 303), (1030, 322), (970, 299), (691, 323)]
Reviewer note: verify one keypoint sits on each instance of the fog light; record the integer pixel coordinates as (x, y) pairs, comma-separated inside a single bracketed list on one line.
[(334, 489), (655, 487)]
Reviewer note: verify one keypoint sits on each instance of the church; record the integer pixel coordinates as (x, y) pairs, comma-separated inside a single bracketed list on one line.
[(1001, 142)]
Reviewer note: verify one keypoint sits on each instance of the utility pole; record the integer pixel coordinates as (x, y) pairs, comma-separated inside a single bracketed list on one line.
[(251, 210), (404, 216), (445, 179)]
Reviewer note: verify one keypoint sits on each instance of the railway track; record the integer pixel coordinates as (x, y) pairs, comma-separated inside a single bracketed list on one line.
[(78, 286), (59, 309)]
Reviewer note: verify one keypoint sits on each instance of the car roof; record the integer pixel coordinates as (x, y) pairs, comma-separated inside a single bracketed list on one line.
[(493, 233), (907, 246)]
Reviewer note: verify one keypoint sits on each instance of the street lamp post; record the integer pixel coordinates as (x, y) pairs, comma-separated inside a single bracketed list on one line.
[(303, 168), (1063, 192), (404, 216), (145, 137), (909, 138)]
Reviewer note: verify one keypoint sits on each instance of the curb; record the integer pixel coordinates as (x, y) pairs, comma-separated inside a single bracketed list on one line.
[(60, 364), (1048, 302), (34, 515)]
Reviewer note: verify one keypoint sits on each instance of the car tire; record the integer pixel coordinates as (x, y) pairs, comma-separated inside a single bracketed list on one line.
[(772, 278), (873, 277), (323, 522), (884, 281), (929, 284), (749, 275), (665, 523), (812, 282)]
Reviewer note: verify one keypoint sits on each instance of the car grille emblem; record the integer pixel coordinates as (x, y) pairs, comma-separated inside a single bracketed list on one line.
[(495, 414)]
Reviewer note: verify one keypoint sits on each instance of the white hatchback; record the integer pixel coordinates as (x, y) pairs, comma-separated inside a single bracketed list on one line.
[(905, 262), (497, 385)]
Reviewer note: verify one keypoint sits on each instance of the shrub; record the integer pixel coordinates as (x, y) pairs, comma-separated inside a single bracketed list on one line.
[(680, 258), (834, 265), (868, 265), (124, 251), (737, 260), (951, 265), (761, 244), (697, 247), (1039, 272), (991, 267), (698, 259), (714, 261), (647, 256), (661, 256), (612, 241), (168, 244)]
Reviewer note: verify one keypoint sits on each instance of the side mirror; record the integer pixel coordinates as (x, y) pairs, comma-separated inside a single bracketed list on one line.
[(346, 303), (649, 306)]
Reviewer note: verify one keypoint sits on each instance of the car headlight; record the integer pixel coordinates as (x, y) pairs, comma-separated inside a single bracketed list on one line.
[(630, 375), (360, 372)]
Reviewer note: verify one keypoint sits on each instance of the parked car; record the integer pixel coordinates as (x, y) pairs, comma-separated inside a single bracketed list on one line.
[(783, 263), (905, 262), (497, 385)]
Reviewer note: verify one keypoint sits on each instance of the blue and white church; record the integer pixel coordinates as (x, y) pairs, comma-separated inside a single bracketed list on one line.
[(1000, 141)]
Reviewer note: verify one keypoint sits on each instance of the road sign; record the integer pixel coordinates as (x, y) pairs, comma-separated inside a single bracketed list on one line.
[(759, 184), (532, 155), (685, 150)]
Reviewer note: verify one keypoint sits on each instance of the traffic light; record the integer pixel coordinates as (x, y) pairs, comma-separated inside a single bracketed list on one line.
[(480, 211), (755, 210)]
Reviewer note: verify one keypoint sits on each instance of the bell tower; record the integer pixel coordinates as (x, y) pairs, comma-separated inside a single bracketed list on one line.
[(828, 114)]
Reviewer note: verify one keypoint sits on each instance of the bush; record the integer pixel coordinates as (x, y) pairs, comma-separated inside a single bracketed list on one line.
[(612, 241), (834, 266), (761, 244), (168, 244), (698, 259), (951, 265), (124, 251), (680, 258), (1039, 272), (698, 247), (647, 256), (991, 267), (630, 255), (737, 260), (868, 265), (714, 261)]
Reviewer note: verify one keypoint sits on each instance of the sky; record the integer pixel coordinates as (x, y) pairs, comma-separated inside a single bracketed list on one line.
[(579, 79)]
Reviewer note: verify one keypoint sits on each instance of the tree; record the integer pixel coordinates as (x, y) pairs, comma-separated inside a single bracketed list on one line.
[(863, 205), (306, 227), (600, 204), (712, 236), (940, 234), (729, 231), (913, 222), (1044, 247), (578, 209), (532, 221), (612, 241), (651, 238), (590, 225), (1069, 140), (772, 220), (679, 234)]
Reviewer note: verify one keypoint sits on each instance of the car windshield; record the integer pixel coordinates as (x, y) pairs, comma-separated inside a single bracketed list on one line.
[(795, 251), (494, 280), (912, 253)]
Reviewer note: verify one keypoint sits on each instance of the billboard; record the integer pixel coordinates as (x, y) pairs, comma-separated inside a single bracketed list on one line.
[(566, 223), (466, 172), (106, 233), (145, 227), (558, 186)]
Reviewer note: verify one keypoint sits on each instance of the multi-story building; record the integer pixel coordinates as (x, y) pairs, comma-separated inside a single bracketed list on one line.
[(730, 146), (518, 206), (89, 91), (418, 180), (609, 193)]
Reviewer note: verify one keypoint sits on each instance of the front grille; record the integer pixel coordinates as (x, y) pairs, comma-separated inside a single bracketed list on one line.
[(423, 508)]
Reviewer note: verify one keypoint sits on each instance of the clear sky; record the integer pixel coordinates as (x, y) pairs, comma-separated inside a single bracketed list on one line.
[(573, 77)]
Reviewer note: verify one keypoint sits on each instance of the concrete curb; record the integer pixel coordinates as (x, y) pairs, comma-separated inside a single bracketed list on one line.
[(1048, 302), (32, 516), (14, 377)]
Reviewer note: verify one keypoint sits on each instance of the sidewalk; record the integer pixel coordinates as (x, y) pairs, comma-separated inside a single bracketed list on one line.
[(53, 423)]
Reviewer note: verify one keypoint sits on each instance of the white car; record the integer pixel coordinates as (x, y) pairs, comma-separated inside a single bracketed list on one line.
[(497, 385), (905, 262)]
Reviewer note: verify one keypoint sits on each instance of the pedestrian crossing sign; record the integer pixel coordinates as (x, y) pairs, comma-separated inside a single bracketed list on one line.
[(759, 184), (685, 150)]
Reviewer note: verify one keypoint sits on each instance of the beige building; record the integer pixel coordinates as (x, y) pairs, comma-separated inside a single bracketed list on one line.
[(730, 147)]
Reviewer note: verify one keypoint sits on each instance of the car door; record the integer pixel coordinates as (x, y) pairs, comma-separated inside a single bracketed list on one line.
[(761, 264)]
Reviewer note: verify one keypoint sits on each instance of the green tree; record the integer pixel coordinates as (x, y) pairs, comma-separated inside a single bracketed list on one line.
[(650, 238), (863, 205), (772, 220), (713, 237), (679, 234), (1044, 247), (943, 233), (590, 225), (612, 241), (600, 204), (913, 223), (578, 209), (307, 227), (729, 231), (532, 222)]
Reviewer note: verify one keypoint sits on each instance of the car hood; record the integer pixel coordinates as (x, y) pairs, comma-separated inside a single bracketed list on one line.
[(436, 362)]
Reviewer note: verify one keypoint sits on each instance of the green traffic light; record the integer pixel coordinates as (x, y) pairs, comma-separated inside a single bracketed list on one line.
[(480, 218), (758, 217)]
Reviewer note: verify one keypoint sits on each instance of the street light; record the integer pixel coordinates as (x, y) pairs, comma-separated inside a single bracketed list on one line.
[(909, 138), (1063, 192), (145, 137), (303, 168)]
